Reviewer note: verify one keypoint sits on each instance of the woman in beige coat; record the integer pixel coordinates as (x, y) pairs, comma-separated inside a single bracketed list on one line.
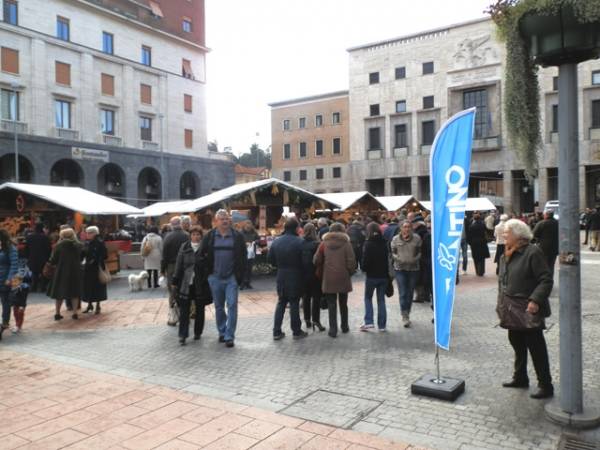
[(335, 263)]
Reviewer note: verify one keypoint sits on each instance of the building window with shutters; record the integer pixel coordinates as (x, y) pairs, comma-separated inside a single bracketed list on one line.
[(186, 25), (107, 121), (337, 146), (302, 175), (374, 78), (374, 140), (400, 73), (596, 114), (9, 60), (287, 151), (427, 132), (189, 134), (302, 149), (186, 69), (107, 84), (337, 172), (62, 28), (287, 175), (336, 118), (286, 125), (63, 73), (374, 110), (146, 55), (107, 43), (146, 94), (479, 98), (145, 128), (427, 67), (400, 140), (11, 12), (596, 78), (62, 114), (401, 106), (318, 120), (319, 174), (187, 103), (554, 118), (9, 105), (302, 122), (318, 147), (428, 102)]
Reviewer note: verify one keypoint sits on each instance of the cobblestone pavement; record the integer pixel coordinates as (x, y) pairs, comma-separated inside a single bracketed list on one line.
[(359, 380)]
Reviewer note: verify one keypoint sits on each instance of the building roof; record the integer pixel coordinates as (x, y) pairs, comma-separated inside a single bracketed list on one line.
[(310, 98), (348, 199), (397, 202), (74, 199), (473, 204), (161, 208), (239, 169)]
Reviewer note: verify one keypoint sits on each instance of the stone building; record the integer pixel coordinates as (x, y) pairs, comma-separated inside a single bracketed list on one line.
[(108, 95), (310, 146)]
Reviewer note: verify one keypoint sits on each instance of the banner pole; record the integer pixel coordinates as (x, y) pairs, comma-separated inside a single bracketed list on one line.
[(437, 365)]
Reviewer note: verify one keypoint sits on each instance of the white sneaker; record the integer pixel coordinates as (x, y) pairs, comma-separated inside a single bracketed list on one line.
[(382, 330), (15, 330), (366, 327)]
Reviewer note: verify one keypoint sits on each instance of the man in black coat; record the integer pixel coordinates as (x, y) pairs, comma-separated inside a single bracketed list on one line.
[(286, 255), (357, 235), (546, 234), (38, 250), (171, 245), (594, 227), (477, 240)]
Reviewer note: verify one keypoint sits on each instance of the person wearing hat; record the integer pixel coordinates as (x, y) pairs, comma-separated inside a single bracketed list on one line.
[(95, 255)]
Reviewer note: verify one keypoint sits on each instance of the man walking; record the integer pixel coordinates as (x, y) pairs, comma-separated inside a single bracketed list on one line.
[(286, 255), (224, 251), (546, 234), (171, 245)]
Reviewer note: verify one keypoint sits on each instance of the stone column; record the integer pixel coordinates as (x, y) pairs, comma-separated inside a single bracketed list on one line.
[(414, 187), (507, 184), (542, 187), (387, 186)]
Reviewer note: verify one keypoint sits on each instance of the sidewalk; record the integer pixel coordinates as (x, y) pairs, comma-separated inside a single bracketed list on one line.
[(45, 405)]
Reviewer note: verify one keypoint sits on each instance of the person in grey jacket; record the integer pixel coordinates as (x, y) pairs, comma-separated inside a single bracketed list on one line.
[(406, 256), (526, 278)]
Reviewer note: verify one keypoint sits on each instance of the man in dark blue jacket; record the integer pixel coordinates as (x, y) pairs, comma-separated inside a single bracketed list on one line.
[(286, 255)]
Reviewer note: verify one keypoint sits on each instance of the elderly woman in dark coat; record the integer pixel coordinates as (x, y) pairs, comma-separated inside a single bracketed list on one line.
[(524, 284), (190, 282), (476, 237), (95, 256), (66, 282)]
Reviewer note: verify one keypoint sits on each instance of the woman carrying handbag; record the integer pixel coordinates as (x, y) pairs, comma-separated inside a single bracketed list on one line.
[(94, 271)]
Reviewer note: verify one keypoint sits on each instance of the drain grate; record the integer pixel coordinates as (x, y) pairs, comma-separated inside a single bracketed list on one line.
[(332, 408), (571, 442)]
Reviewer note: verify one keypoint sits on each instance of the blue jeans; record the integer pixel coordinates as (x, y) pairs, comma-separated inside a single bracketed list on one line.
[(406, 280), (4, 297), (372, 284), (225, 291), (294, 315)]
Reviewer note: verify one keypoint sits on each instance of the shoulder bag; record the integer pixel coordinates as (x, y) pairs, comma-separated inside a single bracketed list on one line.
[(104, 275), (513, 315)]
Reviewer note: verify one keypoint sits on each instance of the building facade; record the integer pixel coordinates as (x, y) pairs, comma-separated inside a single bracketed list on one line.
[(401, 91), (108, 95), (245, 174), (310, 146)]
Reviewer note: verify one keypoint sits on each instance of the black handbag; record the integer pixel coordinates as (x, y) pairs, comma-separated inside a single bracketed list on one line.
[(389, 289), (513, 315)]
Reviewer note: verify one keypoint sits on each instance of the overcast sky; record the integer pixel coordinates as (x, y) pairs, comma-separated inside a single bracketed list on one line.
[(269, 50)]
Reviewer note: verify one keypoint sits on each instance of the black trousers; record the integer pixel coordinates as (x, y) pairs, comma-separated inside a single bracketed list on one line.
[(479, 266), (152, 273), (184, 314), (551, 260), (311, 301), (248, 272), (532, 340), (38, 282), (332, 300)]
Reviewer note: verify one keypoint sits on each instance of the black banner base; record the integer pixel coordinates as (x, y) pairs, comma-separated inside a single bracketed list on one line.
[(444, 389)]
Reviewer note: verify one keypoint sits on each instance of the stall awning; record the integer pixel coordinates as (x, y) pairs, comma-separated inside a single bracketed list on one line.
[(161, 208), (73, 198), (473, 204), (237, 191), (397, 202), (348, 199)]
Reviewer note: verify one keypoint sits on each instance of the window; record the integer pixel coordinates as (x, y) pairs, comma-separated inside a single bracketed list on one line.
[(401, 106), (337, 146), (186, 25), (374, 141), (427, 132), (146, 94), (188, 138), (319, 174), (9, 105), (479, 99), (62, 114), (10, 60), (11, 12), (400, 73), (302, 149), (302, 122), (555, 118), (286, 125), (337, 172), (336, 118), (62, 73), (374, 78), (62, 28), (428, 102), (146, 128), (596, 77), (187, 103), (287, 175), (319, 148), (400, 138), (302, 175), (146, 55), (318, 120), (427, 67), (287, 151), (107, 84), (186, 69), (107, 43), (107, 121), (374, 110), (596, 114), (555, 83)]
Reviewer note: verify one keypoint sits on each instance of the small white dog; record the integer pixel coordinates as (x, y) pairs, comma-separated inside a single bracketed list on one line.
[(136, 281)]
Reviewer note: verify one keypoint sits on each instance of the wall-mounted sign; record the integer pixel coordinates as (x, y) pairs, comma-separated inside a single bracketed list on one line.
[(89, 154)]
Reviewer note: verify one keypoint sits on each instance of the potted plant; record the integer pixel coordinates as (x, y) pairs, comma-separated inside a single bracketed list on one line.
[(540, 32)]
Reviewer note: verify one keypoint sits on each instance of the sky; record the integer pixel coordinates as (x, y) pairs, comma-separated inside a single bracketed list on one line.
[(264, 51)]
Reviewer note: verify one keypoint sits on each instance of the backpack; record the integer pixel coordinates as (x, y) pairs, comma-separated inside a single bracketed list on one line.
[(147, 249)]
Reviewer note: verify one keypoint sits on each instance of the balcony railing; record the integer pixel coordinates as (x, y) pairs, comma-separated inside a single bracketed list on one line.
[(400, 152), (220, 156), (595, 134), (425, 149), (109, 139), (554, 137), (67, 133), (149, 145), (486, 143), (11, 126), (375, 154)]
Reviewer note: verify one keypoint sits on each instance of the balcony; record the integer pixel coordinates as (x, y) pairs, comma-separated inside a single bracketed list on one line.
[(425, 149), (67, 133), (554, 137), (487, 143), (374, 154), (594, 134), (109, 139), (149, 145), (400, 152), (11, 126)]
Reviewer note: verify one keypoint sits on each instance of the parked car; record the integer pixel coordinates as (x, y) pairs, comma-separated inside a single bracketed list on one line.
[(552, 205)]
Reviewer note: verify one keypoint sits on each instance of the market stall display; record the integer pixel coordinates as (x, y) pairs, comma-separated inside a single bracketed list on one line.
[(352, 203), (395, 203)]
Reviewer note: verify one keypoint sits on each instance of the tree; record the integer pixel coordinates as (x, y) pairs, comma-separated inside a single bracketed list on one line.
[(256, 157)]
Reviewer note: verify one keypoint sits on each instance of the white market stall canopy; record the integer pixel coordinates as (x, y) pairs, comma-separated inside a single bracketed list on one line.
[(473, 204), (161, 208), (237, 191), (397, 202), (73, 198), (349, 199)]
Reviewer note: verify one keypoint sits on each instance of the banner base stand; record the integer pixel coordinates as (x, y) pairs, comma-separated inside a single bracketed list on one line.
[(442, 388)]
